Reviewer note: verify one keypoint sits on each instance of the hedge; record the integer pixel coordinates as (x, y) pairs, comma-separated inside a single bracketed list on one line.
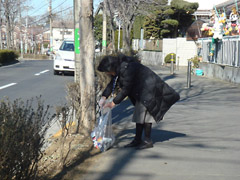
[(168, 57), (8, 56)]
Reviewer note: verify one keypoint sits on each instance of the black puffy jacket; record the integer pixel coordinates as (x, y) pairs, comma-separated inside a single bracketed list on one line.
[(140, 83)]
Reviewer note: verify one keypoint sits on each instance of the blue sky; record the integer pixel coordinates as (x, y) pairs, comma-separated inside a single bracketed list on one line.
[(39, 7)]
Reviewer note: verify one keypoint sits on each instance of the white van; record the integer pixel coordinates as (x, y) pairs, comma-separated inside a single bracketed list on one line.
[(64, 58)]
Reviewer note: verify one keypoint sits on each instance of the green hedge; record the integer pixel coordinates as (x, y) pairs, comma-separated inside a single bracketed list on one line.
[(167, 59), (8, 56)]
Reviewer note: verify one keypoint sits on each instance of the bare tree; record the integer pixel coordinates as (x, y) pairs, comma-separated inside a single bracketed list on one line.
[(87, 75), (11, 12), (127, 11)]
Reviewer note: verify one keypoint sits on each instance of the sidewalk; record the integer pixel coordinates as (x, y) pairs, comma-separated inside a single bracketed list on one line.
[(198, 138)]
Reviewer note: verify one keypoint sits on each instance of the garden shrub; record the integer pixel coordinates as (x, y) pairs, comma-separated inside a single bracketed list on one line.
[(23, 126), (195, 61), (167, 59), (8, 56)]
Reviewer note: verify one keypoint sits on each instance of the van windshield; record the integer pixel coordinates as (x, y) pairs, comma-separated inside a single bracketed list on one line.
[(67, 46)]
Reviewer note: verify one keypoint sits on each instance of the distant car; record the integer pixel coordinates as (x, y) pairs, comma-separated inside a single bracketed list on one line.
[(64, 58)]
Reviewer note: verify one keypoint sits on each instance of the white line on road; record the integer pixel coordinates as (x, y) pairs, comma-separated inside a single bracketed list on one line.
[(37, 74), (8, 85)]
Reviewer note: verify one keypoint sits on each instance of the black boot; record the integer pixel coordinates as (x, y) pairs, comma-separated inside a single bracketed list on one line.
[(138, 137), (147, 143)]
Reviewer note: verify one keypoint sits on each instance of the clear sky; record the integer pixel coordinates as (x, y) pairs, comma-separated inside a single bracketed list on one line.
[(39, 7)]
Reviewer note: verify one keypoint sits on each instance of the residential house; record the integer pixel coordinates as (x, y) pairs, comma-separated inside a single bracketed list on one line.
[(61, 31)]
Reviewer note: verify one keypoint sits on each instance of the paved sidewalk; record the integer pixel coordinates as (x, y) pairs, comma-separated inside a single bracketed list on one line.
[(198, 139)]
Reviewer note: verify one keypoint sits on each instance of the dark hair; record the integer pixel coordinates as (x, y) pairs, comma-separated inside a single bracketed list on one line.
[(108, 64), (111, 63)]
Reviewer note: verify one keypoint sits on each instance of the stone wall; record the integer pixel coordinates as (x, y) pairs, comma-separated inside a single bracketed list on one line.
[(223, 72), (151, 58)]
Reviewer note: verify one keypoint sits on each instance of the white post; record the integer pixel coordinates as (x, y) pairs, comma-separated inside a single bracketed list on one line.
[(119, 34)]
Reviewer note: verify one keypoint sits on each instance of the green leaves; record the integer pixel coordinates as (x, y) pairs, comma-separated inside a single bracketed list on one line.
[(171, 22)]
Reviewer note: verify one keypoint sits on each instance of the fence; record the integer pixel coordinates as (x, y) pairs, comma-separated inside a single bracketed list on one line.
[(149, 45), (226, 51)]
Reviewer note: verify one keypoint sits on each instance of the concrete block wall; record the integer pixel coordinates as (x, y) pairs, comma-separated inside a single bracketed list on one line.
[(223, 72), (151, 58), (181, 47)]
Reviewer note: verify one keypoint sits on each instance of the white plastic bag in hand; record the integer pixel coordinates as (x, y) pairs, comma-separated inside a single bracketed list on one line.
[(102, 101)]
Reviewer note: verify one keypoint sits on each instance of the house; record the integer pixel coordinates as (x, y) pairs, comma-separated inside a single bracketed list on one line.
[(61, 31)]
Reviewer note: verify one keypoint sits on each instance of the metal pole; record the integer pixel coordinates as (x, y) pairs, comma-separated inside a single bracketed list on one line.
[(51, 29), (26, 36), (189, 74), (141, 40), (172, 64), (119, 33), (77, 40), (178, 63)]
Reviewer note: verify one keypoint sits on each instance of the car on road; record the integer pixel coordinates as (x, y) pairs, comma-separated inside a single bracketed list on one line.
[(64, 58)]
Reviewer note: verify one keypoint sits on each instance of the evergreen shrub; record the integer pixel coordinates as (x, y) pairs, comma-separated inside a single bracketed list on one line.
[(167, 58), (8, 56)]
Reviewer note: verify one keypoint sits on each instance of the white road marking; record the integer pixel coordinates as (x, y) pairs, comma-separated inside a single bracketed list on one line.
[(8, 85), (37, 74)]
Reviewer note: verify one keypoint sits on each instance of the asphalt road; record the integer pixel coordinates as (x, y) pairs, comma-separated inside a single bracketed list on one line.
[(29, 79)]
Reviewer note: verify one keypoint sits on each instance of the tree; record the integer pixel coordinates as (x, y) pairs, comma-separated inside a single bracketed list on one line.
[(183, 11), (87, 75), (128, 11), (152, 25), (98, 25), (171, 20), (11, 10)]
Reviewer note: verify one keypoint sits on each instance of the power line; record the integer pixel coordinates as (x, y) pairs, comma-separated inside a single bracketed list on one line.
[(46, 16), (37, 9)]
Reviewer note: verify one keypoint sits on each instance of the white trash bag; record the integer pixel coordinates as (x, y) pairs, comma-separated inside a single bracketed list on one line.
[(102, 135)]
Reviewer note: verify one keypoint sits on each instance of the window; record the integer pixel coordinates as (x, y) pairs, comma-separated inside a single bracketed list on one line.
[(67, 46)]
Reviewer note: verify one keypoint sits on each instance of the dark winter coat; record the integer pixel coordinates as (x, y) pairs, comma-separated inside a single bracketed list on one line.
[(140, 83)]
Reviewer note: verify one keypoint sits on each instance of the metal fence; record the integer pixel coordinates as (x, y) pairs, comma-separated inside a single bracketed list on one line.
[(226, 51)]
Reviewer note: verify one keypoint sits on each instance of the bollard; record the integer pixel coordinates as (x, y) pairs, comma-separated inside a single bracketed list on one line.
[(172, 65), (189, 74), (178, 63)]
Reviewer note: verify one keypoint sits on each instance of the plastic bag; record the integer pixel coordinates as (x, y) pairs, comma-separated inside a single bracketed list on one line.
[(102, 135)]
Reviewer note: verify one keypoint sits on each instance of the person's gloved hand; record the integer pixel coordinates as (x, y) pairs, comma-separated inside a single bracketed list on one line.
[(102, 101), (109, 105)]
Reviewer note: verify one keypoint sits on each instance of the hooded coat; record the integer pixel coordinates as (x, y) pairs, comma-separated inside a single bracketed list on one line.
[(141, 84)]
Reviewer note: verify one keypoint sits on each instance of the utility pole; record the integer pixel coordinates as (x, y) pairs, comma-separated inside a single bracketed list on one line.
[(104, 35), (51, 30), (1, 25), (26, 35), (20, 29), (77, 39)]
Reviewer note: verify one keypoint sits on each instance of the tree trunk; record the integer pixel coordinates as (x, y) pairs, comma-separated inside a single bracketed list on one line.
[(87, 75)]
